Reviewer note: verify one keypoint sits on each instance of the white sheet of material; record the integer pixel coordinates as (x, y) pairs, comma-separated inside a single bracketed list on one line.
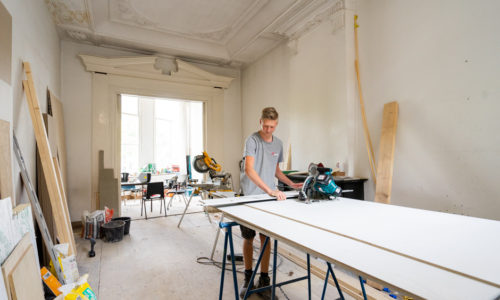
[(428, 254), (245, 199)]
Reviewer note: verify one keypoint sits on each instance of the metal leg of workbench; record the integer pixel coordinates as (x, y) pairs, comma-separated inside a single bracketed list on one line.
[(309, 275), (275, 269), (328, 271), (362, 287), (185, 209), (248, 292), (228, 238), (216, 238)]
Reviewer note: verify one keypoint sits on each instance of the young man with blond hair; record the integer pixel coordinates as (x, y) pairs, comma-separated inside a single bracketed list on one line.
[(262, 154)]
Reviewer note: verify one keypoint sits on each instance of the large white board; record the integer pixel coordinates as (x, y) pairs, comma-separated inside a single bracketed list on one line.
[(427, 254)]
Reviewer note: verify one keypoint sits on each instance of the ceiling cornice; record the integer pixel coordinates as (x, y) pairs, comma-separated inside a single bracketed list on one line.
[(250, 33)]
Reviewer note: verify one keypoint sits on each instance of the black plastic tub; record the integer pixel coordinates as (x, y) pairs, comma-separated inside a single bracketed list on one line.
[(113, 231), (127, 223)]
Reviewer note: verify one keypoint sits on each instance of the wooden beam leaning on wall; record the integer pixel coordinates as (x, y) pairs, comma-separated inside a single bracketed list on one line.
[(61, 218), (368, 140), (386, 153)]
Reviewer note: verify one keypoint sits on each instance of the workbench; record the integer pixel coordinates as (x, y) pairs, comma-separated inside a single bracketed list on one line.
[(423, 254)]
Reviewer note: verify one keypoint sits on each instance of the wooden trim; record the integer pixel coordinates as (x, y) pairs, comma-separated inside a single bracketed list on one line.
[(61, 218)]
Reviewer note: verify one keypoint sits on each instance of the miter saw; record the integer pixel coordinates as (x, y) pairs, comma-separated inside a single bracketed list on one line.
[(319, 185), (204, 163)]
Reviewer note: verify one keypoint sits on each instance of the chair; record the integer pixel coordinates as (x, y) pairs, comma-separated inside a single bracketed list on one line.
[(154, 191)]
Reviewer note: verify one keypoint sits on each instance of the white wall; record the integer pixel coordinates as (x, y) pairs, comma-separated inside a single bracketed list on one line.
[(34, 39), (308, 88), (438, 59), (77, 94), (441, 61)]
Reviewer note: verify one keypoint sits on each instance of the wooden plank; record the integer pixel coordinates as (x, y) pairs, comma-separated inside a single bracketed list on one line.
[(58, 115), (348, 284), (61, 186), (21, 272), (386, 153), (368, 141), (63, 224), (5, 162)]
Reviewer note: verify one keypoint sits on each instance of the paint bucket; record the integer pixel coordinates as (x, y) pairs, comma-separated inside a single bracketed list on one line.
[(127, 220), (113, 231)]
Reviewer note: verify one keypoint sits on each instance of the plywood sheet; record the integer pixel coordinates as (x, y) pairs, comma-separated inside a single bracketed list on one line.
[(386, 153), (58, 115), (5, 161), (22, 273)]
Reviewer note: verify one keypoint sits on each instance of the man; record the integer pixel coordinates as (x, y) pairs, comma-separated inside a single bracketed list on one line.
[(262, 155)]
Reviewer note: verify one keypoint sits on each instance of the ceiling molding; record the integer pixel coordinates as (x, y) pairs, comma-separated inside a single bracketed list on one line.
[(144, 67), (233, 33), (310, 17)]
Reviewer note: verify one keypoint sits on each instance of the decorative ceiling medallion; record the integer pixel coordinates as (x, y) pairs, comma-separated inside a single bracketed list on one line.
[(69, 12)]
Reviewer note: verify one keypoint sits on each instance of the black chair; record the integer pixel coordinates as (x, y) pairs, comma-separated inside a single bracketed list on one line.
[(154, 191)]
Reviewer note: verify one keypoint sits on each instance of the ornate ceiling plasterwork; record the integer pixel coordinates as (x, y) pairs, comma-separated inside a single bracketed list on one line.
[(124, 12), (69, 12), (216, 31)]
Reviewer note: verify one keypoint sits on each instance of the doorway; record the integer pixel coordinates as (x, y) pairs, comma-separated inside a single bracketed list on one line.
[(157, 135)]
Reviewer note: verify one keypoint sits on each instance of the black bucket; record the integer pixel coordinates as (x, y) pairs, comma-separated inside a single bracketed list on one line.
[(127, 223), (113, 231)]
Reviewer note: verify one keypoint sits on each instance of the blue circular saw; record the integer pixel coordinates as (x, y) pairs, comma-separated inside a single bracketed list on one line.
[(319, 185)]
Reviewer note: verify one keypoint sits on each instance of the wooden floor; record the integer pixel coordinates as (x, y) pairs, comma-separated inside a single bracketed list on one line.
[(157, 260)]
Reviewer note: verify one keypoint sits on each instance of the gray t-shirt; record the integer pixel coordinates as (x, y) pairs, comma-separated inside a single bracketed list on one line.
[(266, 157)]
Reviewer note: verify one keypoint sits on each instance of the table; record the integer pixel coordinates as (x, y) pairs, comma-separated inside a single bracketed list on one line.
[(421, 253)]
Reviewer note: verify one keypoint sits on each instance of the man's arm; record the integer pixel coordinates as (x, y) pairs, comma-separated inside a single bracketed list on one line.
[(283, 178), (254, 176)]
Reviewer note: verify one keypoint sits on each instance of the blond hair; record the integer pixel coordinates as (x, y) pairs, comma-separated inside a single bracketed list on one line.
[(269, 113)]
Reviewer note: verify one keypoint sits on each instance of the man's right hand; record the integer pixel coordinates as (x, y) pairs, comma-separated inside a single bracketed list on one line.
[(278, 194)]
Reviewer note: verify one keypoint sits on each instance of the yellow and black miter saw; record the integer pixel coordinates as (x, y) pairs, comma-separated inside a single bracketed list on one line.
[(319, 185), (204, 163)]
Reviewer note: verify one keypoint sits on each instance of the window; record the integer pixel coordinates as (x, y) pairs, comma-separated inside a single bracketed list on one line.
[(162, 132), (130, 134)]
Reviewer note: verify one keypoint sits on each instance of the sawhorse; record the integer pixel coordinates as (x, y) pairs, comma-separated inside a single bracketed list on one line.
[(228, 238)]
